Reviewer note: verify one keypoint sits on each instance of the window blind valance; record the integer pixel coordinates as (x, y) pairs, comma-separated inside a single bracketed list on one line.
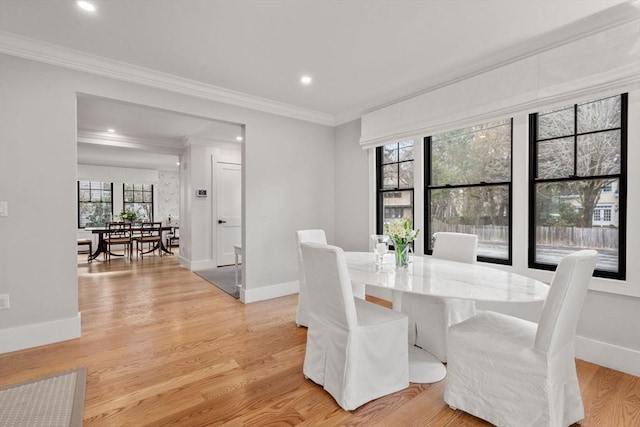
[(606, 62)]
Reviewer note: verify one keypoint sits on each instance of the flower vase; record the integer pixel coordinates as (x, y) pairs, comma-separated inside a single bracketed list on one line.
[(402, 254)]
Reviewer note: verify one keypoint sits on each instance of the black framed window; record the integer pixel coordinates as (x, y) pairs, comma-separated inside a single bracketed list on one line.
[(394, 182), (468, 187), (138, 198), (95, 203), (577, 184)]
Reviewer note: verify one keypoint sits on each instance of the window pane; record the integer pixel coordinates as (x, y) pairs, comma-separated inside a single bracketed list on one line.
[(554, 124), (390, 176), (483, 211), (390, 153), (406, 153), (565, 214), (397, 204), (84, 195), (599, 153), (147, 196), (406, 175), (472, 155), (599, 115), (555, 158)]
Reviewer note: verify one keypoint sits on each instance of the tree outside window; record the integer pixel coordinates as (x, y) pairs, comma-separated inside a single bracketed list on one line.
[(95, 207), (578, 157), (138, 198), (468, 187)]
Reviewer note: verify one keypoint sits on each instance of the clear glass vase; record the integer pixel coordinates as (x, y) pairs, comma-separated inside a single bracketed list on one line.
[(402, 254)]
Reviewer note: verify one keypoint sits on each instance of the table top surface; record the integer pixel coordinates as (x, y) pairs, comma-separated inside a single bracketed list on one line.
[(438, 277)]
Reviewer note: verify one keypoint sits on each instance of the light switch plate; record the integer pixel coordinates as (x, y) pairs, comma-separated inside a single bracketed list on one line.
[(4, 209)]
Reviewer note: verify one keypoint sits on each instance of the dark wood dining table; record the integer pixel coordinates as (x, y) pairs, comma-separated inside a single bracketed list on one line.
[(101, 248)]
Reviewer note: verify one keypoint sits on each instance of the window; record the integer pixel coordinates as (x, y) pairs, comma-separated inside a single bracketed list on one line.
[(138, 198), (468, 187), (577, 157), (95, 206), (394, 182)]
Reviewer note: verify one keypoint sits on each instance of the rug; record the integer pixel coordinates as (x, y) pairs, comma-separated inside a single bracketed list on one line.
[(56, 400), (223, 278)]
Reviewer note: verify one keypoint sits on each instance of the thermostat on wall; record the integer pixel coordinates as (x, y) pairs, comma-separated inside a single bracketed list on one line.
[(201, 193)]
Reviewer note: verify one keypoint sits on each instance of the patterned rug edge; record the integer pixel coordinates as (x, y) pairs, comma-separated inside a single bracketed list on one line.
[(77, 405)]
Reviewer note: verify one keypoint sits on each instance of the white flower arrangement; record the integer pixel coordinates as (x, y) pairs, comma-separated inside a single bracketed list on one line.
[(401, 231)]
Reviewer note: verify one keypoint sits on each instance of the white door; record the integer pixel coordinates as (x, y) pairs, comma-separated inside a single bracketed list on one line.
[(229, 210)]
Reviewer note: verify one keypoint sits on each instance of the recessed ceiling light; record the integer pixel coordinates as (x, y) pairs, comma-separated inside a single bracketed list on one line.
[(85, 5), (238, 138), (177, 163), (111, 130), (305, 80)]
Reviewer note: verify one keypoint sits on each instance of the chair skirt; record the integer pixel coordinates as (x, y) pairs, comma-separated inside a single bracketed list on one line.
[(495, 373), (359, 365)]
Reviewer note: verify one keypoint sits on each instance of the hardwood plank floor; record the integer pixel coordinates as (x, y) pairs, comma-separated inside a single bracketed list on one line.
[(165, 347)]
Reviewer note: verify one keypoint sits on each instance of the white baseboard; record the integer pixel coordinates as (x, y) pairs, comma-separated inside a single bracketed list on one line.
[(195, 265), (269, 292), (612, 356), (37, 334)]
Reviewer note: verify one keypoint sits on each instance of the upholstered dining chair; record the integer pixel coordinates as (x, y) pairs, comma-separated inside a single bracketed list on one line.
[(431, 316), (357, 350), (118, 234), (312, 236), (149, 234), (512, 372)]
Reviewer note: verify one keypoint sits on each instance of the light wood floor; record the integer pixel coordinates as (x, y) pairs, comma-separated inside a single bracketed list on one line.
[(164, 347)]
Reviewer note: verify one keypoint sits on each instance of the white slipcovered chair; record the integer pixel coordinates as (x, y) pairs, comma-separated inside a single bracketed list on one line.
[(312, 236), (512, 372), (431, 316), (356, 350)]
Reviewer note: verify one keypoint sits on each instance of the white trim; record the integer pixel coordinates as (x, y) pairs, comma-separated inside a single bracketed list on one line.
[(158, 145), (608, 355), (36, 50), (269, 292), (202, 264), (37, 334)]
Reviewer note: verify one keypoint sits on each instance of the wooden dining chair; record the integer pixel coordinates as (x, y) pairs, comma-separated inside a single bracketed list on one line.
[(118, 234), (150, 235)]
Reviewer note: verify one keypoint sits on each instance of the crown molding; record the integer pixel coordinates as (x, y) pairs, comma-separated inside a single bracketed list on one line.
[(36, 50), (157, 145)]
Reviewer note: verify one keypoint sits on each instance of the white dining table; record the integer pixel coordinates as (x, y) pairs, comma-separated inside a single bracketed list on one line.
[(427, 275)]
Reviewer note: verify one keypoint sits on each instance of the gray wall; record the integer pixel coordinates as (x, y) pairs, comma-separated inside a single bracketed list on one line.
[(288, 180)]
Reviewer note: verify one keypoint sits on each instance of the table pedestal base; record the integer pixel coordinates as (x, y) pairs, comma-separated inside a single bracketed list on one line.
[(424, 367)]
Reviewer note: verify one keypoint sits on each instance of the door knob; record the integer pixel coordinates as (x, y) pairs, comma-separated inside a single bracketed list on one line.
[(221, 221)]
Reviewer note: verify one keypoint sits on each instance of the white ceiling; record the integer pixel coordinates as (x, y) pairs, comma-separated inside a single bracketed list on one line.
[(361, 54)]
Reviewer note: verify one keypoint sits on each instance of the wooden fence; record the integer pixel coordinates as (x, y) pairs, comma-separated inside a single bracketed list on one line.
[(596, 237)]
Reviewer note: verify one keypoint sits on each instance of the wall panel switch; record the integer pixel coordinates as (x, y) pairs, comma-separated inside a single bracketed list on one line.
[(4, 209)]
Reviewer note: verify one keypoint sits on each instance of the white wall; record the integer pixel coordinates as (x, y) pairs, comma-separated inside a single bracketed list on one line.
[(352, 197), (288, 178)]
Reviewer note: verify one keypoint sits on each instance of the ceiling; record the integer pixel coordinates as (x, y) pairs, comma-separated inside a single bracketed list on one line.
[(360, 54)]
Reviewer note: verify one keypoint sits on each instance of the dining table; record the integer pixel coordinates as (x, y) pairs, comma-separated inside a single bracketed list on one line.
[(101, 248), (426, 275)]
